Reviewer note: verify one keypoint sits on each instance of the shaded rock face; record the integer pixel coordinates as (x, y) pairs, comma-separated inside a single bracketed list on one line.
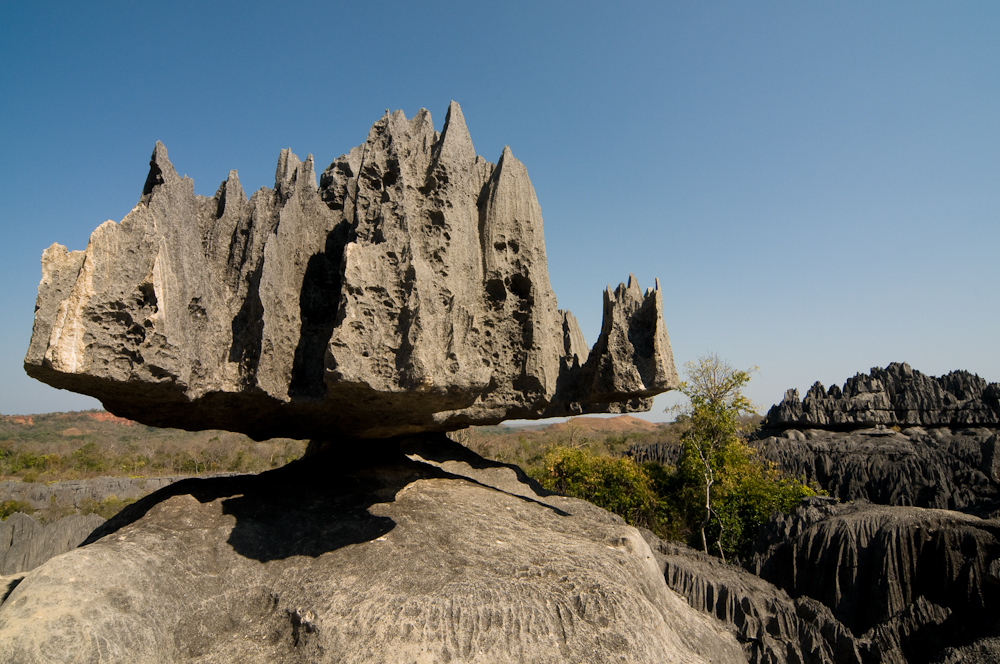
[(896, 395), (413, 550), (407, 291), (907, 582), (25, 543), (772, 627), (941, 468)]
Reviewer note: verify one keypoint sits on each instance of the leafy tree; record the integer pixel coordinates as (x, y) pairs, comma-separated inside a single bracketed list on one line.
[(722, 484)]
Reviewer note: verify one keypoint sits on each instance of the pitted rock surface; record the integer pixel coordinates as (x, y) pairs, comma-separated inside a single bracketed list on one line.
[(896, 395), (407, 291), (413, 550)]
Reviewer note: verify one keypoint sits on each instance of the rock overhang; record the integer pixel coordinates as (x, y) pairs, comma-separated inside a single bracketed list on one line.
[(407, 291)]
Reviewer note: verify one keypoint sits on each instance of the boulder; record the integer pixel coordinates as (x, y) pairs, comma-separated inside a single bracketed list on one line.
[(407, 291), (410, 549), (897, 395)]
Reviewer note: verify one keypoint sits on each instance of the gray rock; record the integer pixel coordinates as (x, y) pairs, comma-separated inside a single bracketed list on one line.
[(896, 395), (981, 651), (407, 292), (25, 543), (944, 468), (411, 550), (72, 493), (771, 626), (908, 582)]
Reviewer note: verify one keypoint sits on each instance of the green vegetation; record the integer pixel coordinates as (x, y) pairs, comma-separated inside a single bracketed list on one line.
[(68, 446), (716, 496), (9, 507)]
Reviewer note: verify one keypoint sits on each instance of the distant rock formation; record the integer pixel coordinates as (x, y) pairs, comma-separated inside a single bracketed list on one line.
[(894, 437), (412, 549), (25, 543), (896, 395), (940, 468), (407, 291), (73, 493)]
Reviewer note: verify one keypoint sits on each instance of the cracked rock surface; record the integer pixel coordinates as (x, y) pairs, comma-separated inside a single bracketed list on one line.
[(407, 291)]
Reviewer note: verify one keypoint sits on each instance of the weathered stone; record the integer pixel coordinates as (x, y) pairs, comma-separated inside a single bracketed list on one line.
[(940, 468), (25, 543), (772, 627), (413, 549), (896, 395), (906, 581), (407, 292)]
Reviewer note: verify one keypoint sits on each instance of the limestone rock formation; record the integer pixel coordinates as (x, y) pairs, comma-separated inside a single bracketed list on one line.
[(414, 549), (73, 493), (407, 291), (941, 468), (896, 395), (772, 627), (25, 543), (907, 581)]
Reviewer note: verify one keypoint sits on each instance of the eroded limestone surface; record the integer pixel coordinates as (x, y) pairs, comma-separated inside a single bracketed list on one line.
[(407, 291)]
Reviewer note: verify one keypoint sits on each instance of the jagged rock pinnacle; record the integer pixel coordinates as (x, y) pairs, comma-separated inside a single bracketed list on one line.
[(407, 291)]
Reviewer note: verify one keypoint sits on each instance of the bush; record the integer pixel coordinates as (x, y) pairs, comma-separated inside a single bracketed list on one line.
[(106, 508), (617, 485), (8, 507)]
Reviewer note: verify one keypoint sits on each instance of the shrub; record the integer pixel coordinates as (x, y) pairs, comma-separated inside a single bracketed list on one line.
[(8, 507), (618, 485)]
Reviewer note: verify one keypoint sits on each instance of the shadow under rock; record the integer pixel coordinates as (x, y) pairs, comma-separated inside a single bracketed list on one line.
[(321, 502)]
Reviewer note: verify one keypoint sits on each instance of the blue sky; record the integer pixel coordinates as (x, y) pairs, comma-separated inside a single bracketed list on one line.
[(816, 185)]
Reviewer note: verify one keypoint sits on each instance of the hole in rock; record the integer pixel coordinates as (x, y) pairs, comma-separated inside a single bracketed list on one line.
[(496, 290)]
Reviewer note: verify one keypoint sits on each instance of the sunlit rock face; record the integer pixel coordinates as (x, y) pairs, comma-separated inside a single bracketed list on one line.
[(895, 396), (407, 291)]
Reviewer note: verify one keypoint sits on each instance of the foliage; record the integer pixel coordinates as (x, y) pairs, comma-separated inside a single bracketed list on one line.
[(618, 485), (723, 490), (106, 508), (68, 446), (9, 507)]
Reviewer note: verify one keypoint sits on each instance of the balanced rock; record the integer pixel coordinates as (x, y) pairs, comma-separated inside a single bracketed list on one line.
[(407, 291), (896, 395), (412, 550)]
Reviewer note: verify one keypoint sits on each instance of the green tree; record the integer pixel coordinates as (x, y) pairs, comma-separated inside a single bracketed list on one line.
[(722, 483)]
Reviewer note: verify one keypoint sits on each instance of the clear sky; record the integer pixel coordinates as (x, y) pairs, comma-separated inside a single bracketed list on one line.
[(816, 185)]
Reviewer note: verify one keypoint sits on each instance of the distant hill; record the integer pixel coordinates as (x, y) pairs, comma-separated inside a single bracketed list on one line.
[(622, 424)]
